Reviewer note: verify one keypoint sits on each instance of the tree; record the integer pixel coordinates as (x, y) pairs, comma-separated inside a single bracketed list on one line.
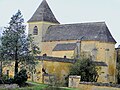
[(15, 43), (30, 65), (1, 60), (86, 69)]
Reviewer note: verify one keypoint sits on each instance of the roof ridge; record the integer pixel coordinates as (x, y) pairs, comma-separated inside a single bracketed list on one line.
[(81, 23)]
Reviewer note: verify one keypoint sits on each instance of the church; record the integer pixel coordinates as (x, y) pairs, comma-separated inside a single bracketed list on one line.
[(60, 44)]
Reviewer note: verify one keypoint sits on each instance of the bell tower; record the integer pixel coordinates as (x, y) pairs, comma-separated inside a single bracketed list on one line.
[(40, 21)]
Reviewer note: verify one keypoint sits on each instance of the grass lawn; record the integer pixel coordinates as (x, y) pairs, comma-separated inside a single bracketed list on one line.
[(38, 86), (60, 88), (46, 87), (33, 86)]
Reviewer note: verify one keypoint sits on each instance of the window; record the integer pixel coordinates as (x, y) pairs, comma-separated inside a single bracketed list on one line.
[(35, 30)]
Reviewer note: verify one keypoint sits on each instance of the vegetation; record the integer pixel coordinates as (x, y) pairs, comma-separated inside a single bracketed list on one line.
[(15, 44), (18, 47), (21, 77), (85, 68)]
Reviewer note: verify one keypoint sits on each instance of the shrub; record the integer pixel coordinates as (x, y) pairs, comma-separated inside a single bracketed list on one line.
[(4, 77), (9, 81), (21, 77), (6, 80), (85, 68)]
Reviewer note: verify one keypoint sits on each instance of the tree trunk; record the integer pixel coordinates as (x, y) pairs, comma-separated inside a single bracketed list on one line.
[(16, 61), (32, 76), (16, 67), (1, 69)]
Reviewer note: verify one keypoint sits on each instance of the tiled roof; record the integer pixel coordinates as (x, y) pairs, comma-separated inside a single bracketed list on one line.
[(43, 13), (100, 63), (86, 31), (65, 46), (66, 60), (56, 59)]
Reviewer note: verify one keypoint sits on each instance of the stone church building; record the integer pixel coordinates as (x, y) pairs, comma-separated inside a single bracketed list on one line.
[(60, 44)]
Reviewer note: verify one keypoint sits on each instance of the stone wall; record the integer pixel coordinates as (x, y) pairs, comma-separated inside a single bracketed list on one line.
[(101, 51), (68, 54), (93, 87), (74, 81), (59, 69), (42, 28), (48, 79)]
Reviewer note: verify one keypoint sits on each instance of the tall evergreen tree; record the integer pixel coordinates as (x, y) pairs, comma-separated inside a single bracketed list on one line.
[(15, 43)]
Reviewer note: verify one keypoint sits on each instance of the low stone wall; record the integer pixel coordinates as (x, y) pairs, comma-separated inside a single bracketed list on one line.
[(8, 86), (93, 87), (74, 81)]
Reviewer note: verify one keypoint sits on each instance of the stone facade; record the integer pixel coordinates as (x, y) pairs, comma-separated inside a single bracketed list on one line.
[(96, 42)]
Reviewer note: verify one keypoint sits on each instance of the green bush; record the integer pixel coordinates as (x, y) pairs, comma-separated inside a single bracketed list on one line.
[(9, 81), (6, 80), (85, 68), (21, 77)]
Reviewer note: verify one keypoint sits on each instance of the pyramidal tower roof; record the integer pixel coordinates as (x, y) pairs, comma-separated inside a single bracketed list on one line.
[(43, 13)]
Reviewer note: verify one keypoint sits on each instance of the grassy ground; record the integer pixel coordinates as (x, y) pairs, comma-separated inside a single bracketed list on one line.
[(33, 86), (56, 88), (38, 86), (47, 87)]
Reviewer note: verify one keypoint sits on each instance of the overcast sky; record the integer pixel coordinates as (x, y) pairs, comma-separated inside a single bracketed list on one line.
[(68, 11)]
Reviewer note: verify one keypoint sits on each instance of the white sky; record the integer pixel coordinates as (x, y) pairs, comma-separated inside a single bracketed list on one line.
[(68, 11)]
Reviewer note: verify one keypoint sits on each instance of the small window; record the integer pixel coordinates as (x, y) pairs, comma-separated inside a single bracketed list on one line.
[(35, 30)]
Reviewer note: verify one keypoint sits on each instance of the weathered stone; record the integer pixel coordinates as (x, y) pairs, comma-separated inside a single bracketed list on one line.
[(8, 86), (74, 81)]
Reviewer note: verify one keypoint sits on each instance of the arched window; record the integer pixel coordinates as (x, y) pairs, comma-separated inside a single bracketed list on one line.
[(35, 30)]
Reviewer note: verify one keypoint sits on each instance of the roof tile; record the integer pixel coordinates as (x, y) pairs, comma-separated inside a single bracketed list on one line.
[(65, 46), (43, 13), (83, 31)]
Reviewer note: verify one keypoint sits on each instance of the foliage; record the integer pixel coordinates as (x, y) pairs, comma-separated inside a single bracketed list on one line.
[(6, 80), (21, 77), (15, 44), (9, 81), (85, 68)]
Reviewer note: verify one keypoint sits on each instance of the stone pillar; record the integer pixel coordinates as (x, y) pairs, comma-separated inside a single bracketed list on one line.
[(74, 81)]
